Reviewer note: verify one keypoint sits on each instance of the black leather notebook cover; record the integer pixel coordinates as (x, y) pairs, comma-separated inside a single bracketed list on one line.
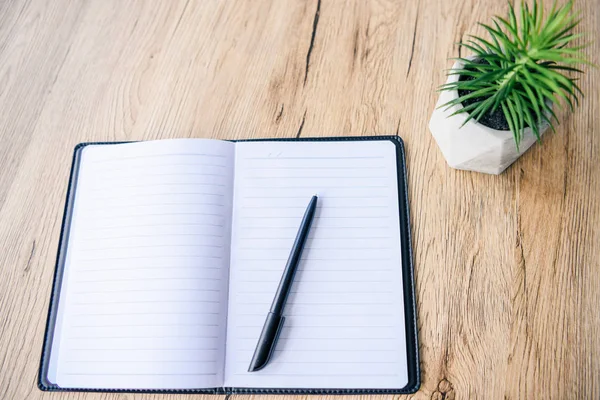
[(412, 351)]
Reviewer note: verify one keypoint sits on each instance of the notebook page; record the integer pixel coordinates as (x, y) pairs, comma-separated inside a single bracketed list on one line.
[(143, 302), (344, 325)]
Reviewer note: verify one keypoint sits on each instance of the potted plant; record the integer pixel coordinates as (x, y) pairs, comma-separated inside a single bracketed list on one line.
[(498, 102)]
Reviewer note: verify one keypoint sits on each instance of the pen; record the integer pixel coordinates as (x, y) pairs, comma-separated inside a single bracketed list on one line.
[(274, 322)]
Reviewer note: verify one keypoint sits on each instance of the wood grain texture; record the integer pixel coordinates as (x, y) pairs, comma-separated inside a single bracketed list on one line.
[(507, 267)]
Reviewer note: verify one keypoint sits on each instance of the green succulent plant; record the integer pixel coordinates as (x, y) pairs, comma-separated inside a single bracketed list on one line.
[(522, 70)]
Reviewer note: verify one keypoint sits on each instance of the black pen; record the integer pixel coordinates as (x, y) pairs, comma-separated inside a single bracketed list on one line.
[(274, 322)]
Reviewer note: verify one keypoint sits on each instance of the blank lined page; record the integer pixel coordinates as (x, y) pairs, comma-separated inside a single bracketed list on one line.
[(344, 325), (143, 301)]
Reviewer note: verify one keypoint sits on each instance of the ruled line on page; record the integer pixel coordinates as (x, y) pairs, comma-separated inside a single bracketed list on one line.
[(162, 301), (320, 227), (146, 166), (310, 177), (161, 155), (321, 238), (170, 193), (312, 158), (295, 217), (288, 337), (145, 268), (138, 206), (319, 248), (151, 257), (315, 281), (345, 350), (320, 303), (157, 235), (147, 349), (325, 291), (167, 214), (317, 343), (195, 246), (146, 185), (140, 374), (341, 314), (319, 374), (276, 207), (91, 337), (304, 325), (314, 187), (178, 324), (163, 290), (183, 224), (142, 361), (148, 313), (148, 279), (315, 167), (149, 174), (305, 197), (279, 269), (316, 259), (159, 224), (362, 362)]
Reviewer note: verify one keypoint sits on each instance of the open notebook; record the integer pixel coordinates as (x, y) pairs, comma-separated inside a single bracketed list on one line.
[(171, 252)]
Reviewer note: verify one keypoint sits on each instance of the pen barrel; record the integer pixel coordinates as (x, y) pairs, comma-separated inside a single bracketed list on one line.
[(266, 341), (291, 266)]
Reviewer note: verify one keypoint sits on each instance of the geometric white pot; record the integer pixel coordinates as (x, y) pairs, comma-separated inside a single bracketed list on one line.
[(474, 146)]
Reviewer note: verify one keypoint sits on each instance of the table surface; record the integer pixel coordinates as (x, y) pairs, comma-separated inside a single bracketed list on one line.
[(507, 267)]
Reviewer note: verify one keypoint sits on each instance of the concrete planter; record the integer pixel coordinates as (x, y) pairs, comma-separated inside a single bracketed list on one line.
[(475, 147)]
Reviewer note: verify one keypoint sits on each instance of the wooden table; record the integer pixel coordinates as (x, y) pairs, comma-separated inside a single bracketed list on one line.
[(507, 267)]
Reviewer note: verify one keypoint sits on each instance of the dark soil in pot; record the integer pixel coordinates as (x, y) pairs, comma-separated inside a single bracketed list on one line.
[(495, 120)]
